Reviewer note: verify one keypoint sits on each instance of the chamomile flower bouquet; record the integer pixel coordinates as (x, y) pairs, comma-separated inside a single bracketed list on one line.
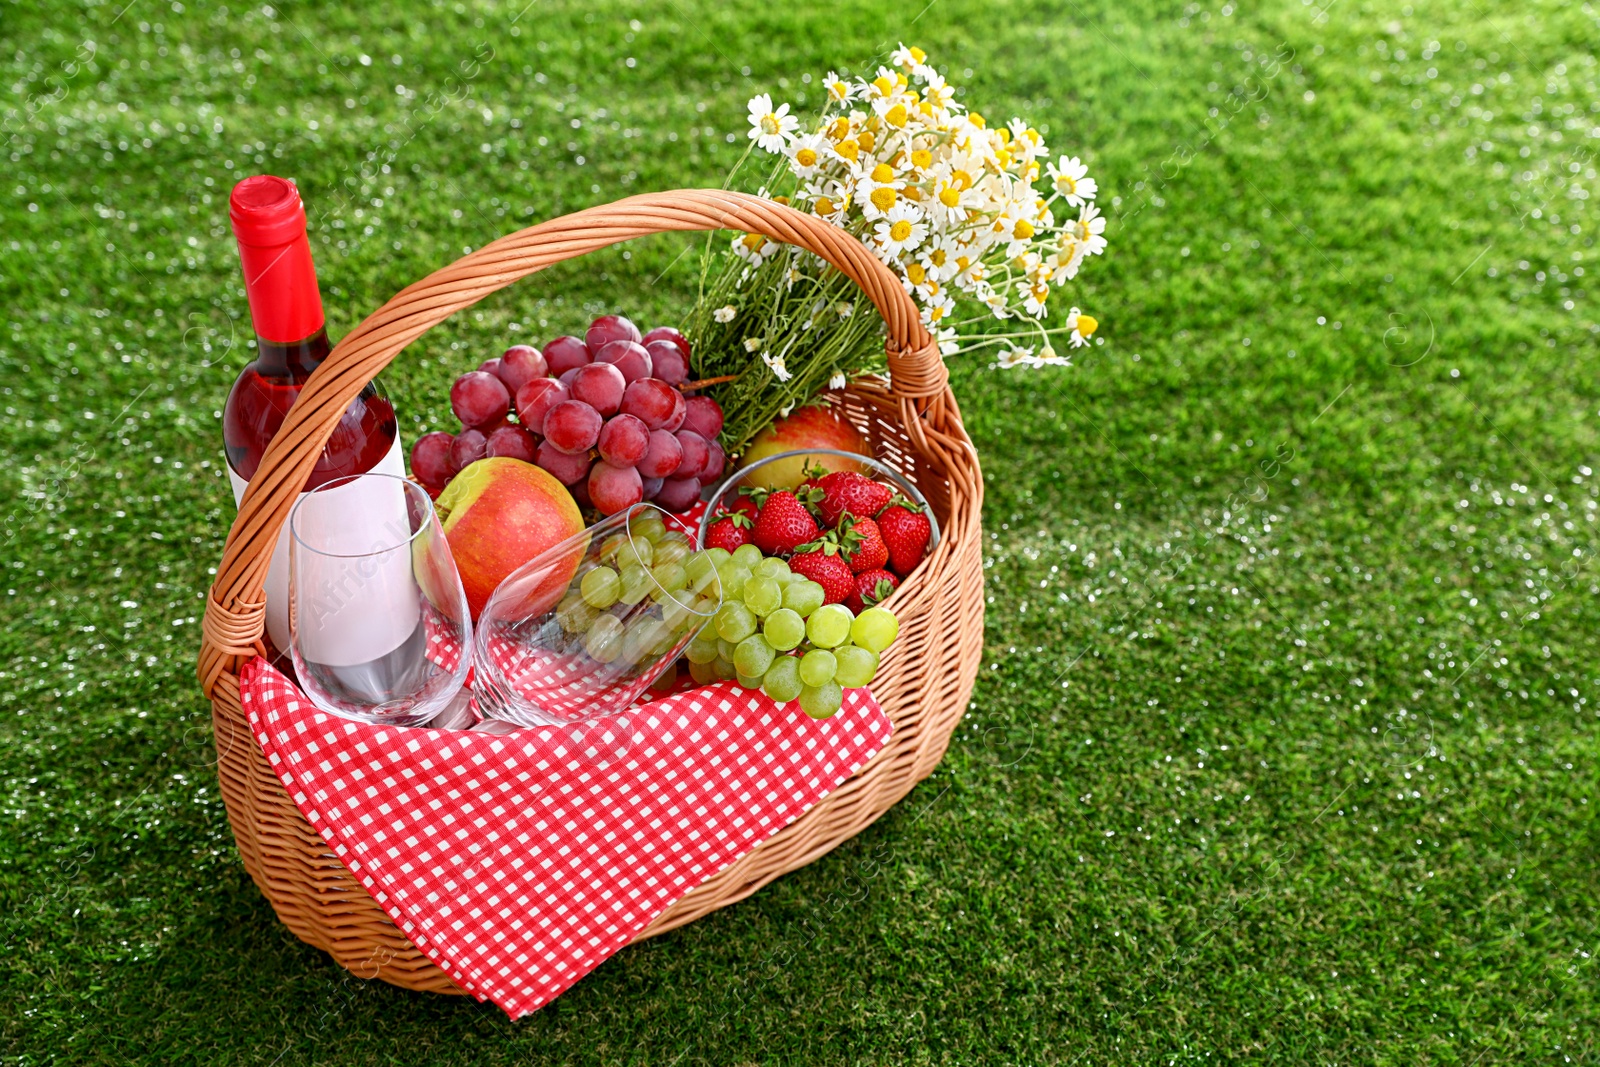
[(969, 215)]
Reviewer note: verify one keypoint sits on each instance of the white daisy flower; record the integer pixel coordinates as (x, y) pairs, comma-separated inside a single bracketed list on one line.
[(935, 310), (845, 309), (1049, 358), (948, 344), (807, 154), (1069, 177), (1017, 233), (779, 371), (725, 313), (1065, 261), (901, 230), (1082, 327), (907, 58), (1034, 298), (936, 90), (950, 201), (878, 192), (754, 247), (770, 129), (993, 299), (839, 90), (752, 343), (1015, 356), (1087, 230), (837, 380)]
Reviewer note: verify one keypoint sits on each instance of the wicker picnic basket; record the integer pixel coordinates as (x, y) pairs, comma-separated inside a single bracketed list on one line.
[(912, 422)]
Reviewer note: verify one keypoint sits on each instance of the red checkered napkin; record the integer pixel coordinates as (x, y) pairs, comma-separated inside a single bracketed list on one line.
[(519, 863)]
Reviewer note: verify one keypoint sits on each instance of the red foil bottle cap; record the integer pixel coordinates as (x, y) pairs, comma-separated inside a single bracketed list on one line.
[(269, 222)]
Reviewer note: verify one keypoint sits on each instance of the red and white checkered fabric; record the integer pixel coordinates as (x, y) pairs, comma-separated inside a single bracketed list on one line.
[(519, 863)]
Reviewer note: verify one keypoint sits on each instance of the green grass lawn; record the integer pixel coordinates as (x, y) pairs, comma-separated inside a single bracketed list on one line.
[(1284, 749)]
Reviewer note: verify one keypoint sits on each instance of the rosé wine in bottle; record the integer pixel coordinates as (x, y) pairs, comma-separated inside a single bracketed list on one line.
[(269, 222)]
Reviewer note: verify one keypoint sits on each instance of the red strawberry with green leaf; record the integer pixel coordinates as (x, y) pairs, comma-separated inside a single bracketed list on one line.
[(850, 491), (862, 542), (872, 587), (814, 473), (783, 525), (822, 564), (906, 531), (729, 531)]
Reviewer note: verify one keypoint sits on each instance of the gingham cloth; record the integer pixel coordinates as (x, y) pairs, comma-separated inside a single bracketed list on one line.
[(519, 863)]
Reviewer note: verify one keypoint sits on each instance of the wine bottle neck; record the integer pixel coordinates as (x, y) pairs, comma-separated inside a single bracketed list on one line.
[(296, 359)]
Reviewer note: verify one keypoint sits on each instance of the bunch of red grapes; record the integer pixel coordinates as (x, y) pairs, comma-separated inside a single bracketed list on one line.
[(603, 414)]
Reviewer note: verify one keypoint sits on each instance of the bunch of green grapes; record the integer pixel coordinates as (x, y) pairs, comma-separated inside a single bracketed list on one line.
[(647, 565), (774, 633)]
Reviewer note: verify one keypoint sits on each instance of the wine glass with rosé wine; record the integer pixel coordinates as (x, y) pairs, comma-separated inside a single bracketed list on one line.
[(379, 626)]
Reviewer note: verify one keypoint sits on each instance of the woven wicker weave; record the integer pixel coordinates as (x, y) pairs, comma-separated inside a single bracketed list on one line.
[(925, 678)]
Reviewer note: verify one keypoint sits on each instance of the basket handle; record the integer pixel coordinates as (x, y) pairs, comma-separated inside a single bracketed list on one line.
[(236, 608)]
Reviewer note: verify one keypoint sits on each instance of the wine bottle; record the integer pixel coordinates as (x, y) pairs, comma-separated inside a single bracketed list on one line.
[(269, 223)]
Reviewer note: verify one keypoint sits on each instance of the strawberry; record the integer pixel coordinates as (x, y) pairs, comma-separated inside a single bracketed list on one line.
[(814, 473), (823, 565), (746, 502), (862, 542), (872, 587), (783, 525), (731, 530), (848, 491), (906, 531)]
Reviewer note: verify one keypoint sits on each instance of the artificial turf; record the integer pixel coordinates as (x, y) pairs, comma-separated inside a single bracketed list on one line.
[(1284, 745)]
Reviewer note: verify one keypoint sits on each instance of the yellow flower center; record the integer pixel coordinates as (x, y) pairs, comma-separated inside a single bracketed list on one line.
[(1031, 134), (922, 159), (1065, 183), (911, 192), (769, 124), (884, 84), (976, 119), (806, 157), (848, 149), (784, 200), (839, 89), (824, 205), (926, 107), (1087, 324), (1022, 230), (867, 139), (883, 198), (916, 272), (918, 54), (883, 173), (1040, 292), (900, 230), (949, 197), (896, 116), (1004, 135), (753, 241), (962, 262), (938, 257), (961, 180), (936, 314), (1003, 157), (840, 127)]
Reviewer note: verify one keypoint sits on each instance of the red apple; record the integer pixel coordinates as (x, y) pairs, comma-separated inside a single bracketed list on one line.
[(497, 514), (809, 427)]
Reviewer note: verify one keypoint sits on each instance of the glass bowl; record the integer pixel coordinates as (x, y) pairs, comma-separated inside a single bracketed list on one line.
[(740, 477)]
